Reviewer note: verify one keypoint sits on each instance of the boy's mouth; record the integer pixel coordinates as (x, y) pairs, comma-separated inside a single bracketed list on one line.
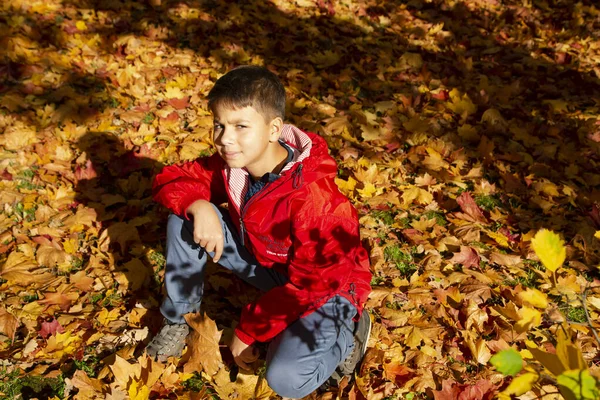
[(230, 154)]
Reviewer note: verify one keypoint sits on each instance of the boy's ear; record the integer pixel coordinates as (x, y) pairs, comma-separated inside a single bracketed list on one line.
[(276, 127)]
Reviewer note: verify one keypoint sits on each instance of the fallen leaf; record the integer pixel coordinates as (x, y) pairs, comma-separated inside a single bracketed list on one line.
[(203, 345)]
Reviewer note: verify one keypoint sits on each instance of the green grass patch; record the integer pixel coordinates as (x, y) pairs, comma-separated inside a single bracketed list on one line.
[(529, 280), (377, 280), (438, 216), (157, 258), (15, 386), (387, 217), (576, 314), (488, 202), (148, 118), (89, 365), (404, 261)]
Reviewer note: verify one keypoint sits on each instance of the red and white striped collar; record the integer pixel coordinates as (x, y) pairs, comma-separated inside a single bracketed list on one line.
[(237, 178)]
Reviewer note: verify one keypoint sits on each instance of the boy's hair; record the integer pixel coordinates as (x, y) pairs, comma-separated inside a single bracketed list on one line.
[(250, 85)]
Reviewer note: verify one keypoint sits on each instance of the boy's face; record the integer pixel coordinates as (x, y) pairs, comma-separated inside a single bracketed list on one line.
[(243, 137)]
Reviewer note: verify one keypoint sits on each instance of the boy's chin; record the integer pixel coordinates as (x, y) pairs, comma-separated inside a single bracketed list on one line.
[(235, 163)]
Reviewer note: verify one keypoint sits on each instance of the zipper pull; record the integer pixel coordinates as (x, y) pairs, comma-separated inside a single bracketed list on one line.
[(242, 230), (298, 179)]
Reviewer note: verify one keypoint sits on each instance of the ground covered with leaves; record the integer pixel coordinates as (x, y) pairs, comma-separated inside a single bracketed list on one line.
[(461, 129)]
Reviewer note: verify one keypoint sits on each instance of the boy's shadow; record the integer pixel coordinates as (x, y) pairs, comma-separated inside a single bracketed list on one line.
[(114, 178)]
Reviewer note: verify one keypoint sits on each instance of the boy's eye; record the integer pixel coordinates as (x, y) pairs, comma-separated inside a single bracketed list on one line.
[(217, 127), (241, 126)]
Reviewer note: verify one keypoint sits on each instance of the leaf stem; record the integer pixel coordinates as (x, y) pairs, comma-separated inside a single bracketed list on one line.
[(587, 315)]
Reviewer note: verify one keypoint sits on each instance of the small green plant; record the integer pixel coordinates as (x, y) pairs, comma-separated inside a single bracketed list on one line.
[(148, 118), (404, 261), (488, 202), (377, 280), (437, 215), (576, 314), (112, 299), (157, 258), (387, 217), (89, 364)]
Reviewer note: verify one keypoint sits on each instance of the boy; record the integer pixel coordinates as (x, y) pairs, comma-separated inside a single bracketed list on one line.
[(288, 231)]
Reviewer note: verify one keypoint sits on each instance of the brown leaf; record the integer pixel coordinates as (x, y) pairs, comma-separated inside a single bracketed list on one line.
[(62, 300), (81, 281), (8, 323), (88, 388), (203, 344), (467, 256), (21, 270)]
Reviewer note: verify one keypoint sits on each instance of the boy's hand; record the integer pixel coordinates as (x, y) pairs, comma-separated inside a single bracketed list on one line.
[(243, 354), (208, 231)]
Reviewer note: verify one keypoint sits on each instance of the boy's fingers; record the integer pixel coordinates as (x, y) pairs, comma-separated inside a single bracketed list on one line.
[(241, 364), (218, 250)]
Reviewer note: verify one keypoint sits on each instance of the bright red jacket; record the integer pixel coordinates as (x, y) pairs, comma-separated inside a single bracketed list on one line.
[(300, 224)]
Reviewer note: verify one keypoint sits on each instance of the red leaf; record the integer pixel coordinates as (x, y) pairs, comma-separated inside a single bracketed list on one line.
[(142, 108), (481, 390), (441, 95), (450, 390), (468, 257), (6, 176), (469, 207), (86, 172), (172, 117), (50, 328), (179, 104)]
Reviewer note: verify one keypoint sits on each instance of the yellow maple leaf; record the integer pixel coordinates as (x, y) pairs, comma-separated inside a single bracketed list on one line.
[(346, 187), (81, 25), (60, 344), (498, 237), (550, 249), (416, 194), (174, 93), (534, 297), (460, 103), (105, 316), (71, 246), (368, 191), (138, 391), (520, 385), (530, 318), (597, 235)]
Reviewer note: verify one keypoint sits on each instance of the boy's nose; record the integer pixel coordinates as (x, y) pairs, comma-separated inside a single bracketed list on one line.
[(226, 136)]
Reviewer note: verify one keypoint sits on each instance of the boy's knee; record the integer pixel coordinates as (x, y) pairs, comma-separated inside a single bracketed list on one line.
[(287, 382)]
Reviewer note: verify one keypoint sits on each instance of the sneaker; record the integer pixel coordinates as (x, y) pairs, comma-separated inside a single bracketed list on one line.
[(362, 332), (169, 342)]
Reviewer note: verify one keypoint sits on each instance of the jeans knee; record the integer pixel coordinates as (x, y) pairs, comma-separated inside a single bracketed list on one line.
[(286, 382), (174, 223)]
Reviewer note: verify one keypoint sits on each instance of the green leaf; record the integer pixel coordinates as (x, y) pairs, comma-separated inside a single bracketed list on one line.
[(578, 384), (550, 248), (507, 362)]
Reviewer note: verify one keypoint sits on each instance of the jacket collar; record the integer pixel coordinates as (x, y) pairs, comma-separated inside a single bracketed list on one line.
[(237, 179)]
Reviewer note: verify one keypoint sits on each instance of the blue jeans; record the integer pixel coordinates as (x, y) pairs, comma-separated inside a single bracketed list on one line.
[(300, 358)]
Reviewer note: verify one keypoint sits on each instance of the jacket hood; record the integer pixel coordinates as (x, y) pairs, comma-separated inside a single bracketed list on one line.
[(311, 162)]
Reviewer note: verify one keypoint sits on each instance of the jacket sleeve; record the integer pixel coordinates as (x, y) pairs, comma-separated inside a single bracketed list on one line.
[(178, 186), (323, 248)]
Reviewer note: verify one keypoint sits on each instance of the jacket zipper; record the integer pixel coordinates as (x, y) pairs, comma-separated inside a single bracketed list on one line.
[(297, 181)]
